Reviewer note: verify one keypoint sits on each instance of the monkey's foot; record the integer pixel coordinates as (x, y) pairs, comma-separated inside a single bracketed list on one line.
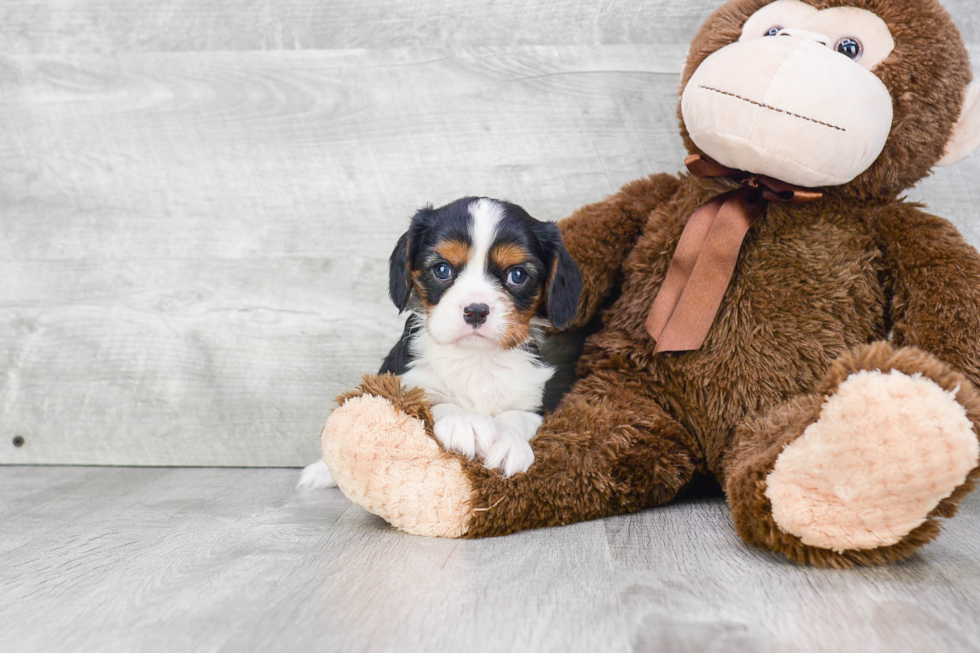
[(886, 449)]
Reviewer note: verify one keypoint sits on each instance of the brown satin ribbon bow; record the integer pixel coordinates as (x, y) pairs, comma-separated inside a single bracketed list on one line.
[(705, 258)]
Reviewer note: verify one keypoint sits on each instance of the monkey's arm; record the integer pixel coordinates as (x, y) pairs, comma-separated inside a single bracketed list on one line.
[(935, 281), (600, 236)]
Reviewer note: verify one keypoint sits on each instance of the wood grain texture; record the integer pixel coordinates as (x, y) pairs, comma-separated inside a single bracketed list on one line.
[(193, 239), (195, 244), (208, 560), (178, 25), (107, 26)]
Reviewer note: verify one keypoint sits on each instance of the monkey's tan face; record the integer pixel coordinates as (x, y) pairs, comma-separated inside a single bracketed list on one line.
[(795, 98)]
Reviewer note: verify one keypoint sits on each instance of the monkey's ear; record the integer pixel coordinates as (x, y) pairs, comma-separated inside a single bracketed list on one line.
[(965, 139), (399, 283)]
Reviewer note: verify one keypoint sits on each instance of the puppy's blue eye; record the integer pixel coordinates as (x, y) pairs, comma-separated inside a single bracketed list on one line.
[(773, 31), (442, 271), (517, 277)]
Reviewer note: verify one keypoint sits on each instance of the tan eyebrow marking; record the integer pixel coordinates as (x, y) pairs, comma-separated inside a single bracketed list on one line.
[(455, 252), (766, 106), (507, 255)]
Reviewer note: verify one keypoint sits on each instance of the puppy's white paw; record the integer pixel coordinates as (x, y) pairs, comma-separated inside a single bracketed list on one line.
[(464, 432), (519, 422), (316, 477), (511, 454)]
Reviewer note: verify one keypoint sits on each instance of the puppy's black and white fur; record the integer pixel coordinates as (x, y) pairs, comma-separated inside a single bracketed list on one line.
[(482, 280)]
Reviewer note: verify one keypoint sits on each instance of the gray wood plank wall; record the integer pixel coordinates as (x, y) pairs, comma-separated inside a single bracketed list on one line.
[(197, 199)]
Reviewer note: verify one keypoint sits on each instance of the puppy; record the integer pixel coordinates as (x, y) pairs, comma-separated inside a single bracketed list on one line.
[(482, 280)]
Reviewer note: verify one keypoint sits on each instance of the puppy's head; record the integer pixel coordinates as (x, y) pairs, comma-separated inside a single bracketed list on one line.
[(484, 273)]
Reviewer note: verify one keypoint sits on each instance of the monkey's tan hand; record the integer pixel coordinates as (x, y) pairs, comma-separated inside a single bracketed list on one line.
[(379, 448)]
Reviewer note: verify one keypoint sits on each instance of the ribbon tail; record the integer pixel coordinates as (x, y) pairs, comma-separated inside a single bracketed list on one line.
[(682, 265), (699, 302), (703, 264)]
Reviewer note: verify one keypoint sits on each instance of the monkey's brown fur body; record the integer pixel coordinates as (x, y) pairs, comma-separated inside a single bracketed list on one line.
[(859, 280)]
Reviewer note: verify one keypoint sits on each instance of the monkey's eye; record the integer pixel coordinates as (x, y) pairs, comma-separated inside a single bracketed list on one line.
[(850, 47), (773, 31), (442, 271), (517, 277)]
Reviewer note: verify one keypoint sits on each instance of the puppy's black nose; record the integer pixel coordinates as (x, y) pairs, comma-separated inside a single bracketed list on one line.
[(476, 314)]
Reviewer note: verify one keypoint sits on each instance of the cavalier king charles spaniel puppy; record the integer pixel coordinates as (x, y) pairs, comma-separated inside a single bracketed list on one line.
[(482, 280)]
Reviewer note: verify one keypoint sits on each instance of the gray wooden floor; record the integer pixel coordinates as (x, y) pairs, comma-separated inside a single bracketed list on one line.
[(156, 559)]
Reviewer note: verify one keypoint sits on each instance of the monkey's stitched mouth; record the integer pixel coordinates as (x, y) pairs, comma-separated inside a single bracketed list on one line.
[(771, 108)]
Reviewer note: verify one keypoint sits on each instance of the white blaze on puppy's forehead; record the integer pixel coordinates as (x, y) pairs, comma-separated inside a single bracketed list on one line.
[(486, 215)]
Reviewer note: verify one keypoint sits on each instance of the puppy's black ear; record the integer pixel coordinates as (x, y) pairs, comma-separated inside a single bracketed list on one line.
[(399, 282), (564, 282), (400, 262)]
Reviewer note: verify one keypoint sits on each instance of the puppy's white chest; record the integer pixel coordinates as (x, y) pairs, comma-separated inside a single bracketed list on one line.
[(488, 381)]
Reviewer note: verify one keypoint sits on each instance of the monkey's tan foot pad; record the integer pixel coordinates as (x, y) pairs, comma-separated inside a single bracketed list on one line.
[(886, 449), (384, 461)]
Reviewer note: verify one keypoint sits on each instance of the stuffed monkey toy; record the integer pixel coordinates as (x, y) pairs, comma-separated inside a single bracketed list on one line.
[(778, 317)]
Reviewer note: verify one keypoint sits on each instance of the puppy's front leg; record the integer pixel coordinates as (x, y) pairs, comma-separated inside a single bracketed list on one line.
[(511, 452), (463, 431)]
